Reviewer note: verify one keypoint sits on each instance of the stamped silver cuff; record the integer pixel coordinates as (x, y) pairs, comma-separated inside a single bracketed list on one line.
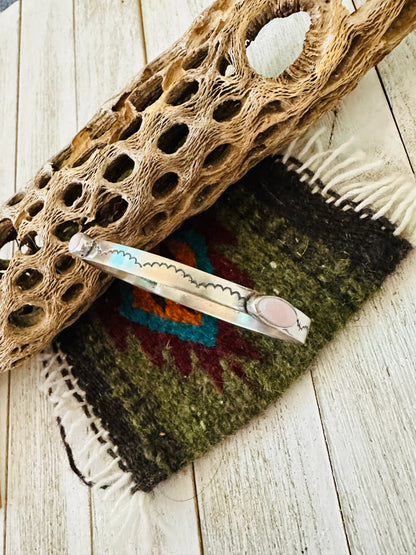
[(195, 289)]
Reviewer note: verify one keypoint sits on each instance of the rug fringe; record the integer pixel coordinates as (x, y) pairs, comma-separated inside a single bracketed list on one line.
[(345, 177), (96, 457)]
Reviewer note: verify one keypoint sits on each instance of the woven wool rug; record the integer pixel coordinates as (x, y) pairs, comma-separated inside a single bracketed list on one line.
[(158, 384)]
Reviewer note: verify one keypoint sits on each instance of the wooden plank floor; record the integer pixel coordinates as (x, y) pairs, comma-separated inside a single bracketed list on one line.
[(331, 467)]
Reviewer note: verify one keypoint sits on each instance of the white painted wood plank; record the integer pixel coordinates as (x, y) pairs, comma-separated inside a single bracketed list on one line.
[(273, 492), (366, 385), (47, 509), (109, 51), (175, 503), (269, 488), (173, 509), (398, 74), (164, 21), (365, 380), (9, 45)]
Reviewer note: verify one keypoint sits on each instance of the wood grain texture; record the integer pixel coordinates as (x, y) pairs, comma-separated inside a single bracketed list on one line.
[(399, 79), (366, 385), (9, 52), (47, 507), (173, 508), (108, 59), (365, 380), (269, 489), (398, 76)]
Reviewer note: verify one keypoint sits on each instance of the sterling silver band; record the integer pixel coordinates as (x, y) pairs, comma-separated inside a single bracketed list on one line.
[(195, 289)]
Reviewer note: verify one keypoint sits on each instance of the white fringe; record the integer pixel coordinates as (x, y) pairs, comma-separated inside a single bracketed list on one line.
[(131, 515), (344, 177)]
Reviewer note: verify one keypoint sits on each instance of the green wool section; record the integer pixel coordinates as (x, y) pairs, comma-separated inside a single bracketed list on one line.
[(175, 419)]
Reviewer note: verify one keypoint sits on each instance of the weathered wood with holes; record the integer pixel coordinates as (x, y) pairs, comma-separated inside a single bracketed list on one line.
[(47, 507), (137, 187)]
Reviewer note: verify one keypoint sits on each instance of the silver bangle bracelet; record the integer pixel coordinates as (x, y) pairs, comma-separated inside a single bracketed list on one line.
[(195, 289)]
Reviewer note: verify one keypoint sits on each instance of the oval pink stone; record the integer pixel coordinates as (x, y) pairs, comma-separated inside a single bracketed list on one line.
[(75, 242), (276, 311)]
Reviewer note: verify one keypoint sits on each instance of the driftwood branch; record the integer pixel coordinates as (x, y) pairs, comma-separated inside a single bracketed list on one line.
[(170, 143)]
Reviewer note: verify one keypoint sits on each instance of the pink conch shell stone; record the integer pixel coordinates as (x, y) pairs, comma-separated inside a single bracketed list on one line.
[(276, 312), (80, 244), (75, 242)]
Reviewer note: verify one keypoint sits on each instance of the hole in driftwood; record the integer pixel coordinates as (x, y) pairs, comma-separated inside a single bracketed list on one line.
[(16, 199), (66, 230), (147, 95), (195, 59), (120, 102), (203, 195), (182, 92), (7, 232), (225, 67), (227, 110), (119, 169), (266, 134), (72, 292), (217, 155), (133, 128), (165, 185), (18, 362), (72, 193), (42, 181), (59, 160), (84, 157), (253, 153), (273, 107), (276, 43), (111, 211), (26, 316), (4, 264), (64, 264), (28, 278), (154, 223), (7, 235), (31, 243), (35, 208), (171, 140)]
